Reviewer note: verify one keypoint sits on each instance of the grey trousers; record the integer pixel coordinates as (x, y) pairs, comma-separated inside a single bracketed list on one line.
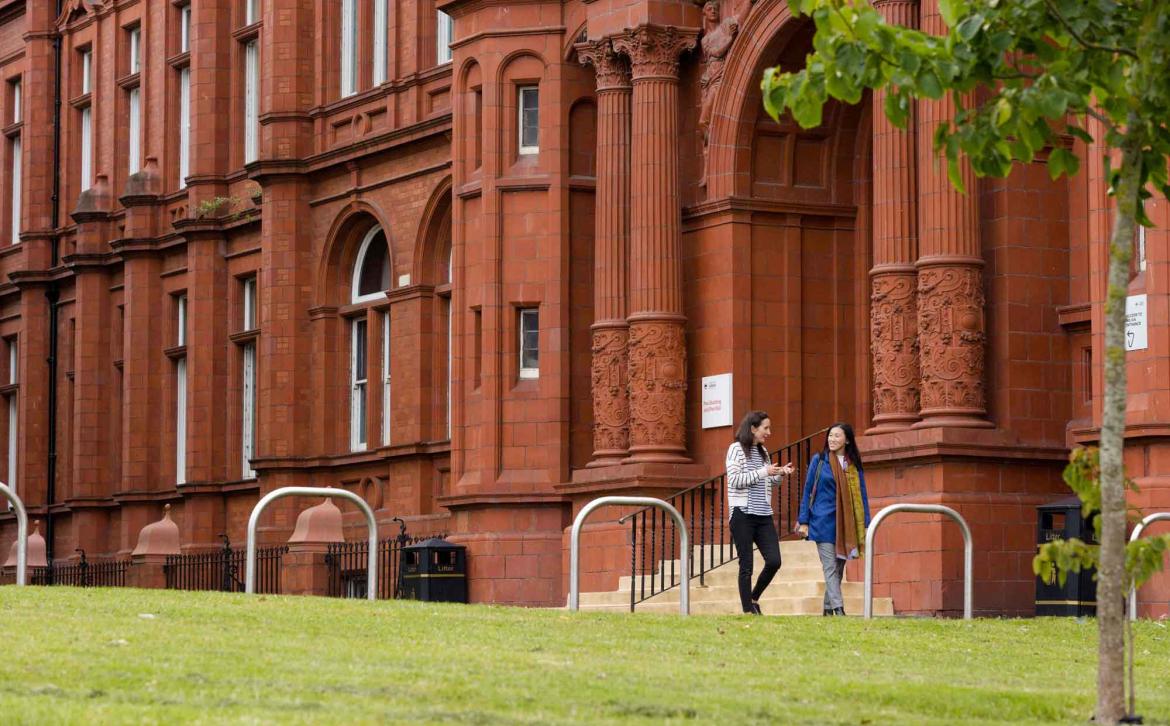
[(834, 568)]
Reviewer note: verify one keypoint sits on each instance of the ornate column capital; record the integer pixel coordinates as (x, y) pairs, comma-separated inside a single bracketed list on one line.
[(653, 50), (612, 71)]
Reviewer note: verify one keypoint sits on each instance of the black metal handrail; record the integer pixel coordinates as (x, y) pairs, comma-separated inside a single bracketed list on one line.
[(347, 564), (85, 573), (223, 569), (653, 535)]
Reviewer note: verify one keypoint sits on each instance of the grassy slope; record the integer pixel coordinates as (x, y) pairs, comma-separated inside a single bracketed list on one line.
[(89, 656)]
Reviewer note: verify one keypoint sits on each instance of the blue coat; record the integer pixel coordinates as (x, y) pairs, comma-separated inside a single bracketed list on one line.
[(822, 520)]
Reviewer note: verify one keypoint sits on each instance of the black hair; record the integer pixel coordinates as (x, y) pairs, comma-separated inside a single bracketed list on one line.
[(745, 437), (851, 451)]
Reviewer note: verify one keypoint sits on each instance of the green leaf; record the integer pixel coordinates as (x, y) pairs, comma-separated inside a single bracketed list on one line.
[(952, 10)]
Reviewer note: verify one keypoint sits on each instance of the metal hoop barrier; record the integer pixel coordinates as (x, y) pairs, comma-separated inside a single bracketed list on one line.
[(968, 550), (684, 601), (250, 573), (21, 534), (1137, 532)]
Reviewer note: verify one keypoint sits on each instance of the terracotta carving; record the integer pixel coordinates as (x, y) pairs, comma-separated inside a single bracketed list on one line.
[(718, 35), (658, 385), (951, 336), (611, 409), (609, 66), (894, 340), (653, 50)]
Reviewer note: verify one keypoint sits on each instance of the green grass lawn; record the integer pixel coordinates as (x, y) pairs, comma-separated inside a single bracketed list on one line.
[(150, 656)]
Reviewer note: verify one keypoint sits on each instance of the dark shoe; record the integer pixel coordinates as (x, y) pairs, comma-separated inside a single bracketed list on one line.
[(827, 612), (756, 608), (838, 611)]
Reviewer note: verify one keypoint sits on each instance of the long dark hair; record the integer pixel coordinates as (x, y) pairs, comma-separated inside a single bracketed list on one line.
[(745, 437), (851, 451)]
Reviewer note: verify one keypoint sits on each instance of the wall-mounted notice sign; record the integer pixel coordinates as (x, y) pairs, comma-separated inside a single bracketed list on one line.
[(1136, 326), (717, 401)]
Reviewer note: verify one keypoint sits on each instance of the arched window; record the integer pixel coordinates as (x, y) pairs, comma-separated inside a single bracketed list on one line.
[(371, 272), (371, 280)]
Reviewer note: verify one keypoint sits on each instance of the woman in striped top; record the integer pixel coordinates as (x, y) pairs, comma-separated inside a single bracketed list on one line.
[(750, 476)]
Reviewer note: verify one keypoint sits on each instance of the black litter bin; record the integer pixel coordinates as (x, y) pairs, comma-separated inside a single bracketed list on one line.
[(1078, 596), (434, 570)]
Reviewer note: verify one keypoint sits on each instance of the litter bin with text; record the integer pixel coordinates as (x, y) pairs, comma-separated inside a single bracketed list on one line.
[(434, 570), (1078, 595)]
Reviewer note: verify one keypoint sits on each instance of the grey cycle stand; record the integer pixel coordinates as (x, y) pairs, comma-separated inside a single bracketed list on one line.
[(684, 600), (250, 573), (968, 550), (1137, 532), (21, 534)]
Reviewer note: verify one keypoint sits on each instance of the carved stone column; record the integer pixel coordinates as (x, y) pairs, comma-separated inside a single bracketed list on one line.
[(611, 331), (951, 326), (657, 347), (894, 278)]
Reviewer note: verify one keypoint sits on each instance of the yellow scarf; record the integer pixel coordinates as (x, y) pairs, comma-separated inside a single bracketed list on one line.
[(850, 511)]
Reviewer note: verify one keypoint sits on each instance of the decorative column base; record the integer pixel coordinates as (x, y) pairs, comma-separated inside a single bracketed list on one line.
[(611, 408), (952, 335), (894, 346), (658, 388)]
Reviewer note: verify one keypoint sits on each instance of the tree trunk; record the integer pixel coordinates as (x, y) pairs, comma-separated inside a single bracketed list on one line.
[(1111, 571)]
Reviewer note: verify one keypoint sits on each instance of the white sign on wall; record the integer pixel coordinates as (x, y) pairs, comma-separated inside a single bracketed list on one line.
[(717, 401), (1136, 327)]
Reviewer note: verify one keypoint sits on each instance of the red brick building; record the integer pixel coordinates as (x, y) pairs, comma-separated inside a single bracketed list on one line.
[(472, 260)]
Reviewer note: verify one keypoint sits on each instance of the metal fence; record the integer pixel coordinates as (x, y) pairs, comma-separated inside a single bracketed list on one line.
[(347, 563), (223, 569), (86, 573)]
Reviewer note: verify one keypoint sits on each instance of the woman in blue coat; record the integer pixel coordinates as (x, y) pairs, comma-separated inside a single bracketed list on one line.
[(834, 509)]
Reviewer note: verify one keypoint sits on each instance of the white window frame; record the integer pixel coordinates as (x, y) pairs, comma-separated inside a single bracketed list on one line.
[(181, 320), (86, 148), (249, 307), (444, 30), (185, 28), (358, 400), (17, 190), (181, 420), (1141, 248), (381, 30), (248, 410), (523, 93), (450, 328), (135, 49), (134, 149), (16, 99), (13, 415), (528, 317), (386, 378), (86, 70), (361, 262), (349, 48), (184, 125), (251, 11), (251, 101), (13, 361)]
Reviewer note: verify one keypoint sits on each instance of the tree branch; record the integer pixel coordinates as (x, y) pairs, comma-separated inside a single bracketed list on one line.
[(1091, 46)]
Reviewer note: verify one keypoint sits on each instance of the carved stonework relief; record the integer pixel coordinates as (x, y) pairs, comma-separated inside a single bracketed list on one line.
[(951, 335), (611, 69), (894, 341), (654, 50), (658, 384), (611, 409)]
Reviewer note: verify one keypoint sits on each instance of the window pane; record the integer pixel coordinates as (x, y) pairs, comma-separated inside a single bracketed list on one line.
[(16, 189), (375, 274), (135, 134), (251, 101), (184, 126), (359, 350), (529, 119), (380, 30), (248, 414)]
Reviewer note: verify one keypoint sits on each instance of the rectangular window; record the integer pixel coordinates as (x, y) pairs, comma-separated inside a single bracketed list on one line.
[(135, 131), (184, 125), (357, 402), (86, 69), (529, 343), (248, 412), (1141, 248), (86, 148), (381, 27), (13, 413), (15, 215), (444, 27), (450, 362), (529, 119), (13, 361), (386, 379), (181, 320), (249, 303), (251, 11), (135, 50), (251, 102), (16, 111), (349, 47), (184, 28), (180, 420)]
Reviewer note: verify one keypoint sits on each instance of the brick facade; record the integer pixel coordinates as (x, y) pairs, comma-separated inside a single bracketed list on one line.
[(659, 224)]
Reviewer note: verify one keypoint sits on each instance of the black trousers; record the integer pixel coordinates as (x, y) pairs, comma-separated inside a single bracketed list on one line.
[(757, 529)]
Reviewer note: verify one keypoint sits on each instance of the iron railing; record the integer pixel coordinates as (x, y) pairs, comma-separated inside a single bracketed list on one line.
[(223, 569), (84, 573), (347, 563), (653, 535)]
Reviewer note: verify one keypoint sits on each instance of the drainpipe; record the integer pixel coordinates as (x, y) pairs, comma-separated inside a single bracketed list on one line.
[(53, 293)]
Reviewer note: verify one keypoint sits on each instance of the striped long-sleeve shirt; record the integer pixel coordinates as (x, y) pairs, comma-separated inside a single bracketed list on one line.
[(749, 487)]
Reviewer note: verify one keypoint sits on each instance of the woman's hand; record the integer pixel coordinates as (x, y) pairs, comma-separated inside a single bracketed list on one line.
[(774, 469), (787, 469), (802, 530)]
